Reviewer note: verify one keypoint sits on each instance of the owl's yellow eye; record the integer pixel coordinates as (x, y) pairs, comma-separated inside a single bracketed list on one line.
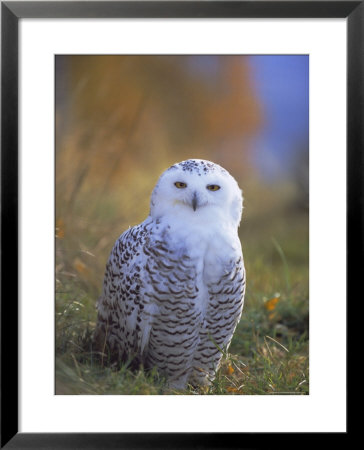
[(180, 185), (213, 187)]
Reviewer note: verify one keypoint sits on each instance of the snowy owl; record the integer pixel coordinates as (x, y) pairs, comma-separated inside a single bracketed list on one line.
[(174, 285)]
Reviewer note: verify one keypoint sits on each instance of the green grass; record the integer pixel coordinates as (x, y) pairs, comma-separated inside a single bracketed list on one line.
[(269, 350)]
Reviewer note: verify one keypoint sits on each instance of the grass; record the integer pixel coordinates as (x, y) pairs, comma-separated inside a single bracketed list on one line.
[(269, 350)]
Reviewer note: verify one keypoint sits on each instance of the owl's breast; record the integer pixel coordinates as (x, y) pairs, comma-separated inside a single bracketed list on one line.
[(220, 258), (211, 250)]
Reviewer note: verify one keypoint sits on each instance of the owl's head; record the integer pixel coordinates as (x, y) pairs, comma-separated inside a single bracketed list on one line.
[(197, 190)]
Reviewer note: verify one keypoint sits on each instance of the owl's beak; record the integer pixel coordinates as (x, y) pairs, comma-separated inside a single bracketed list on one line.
[(194, 201)]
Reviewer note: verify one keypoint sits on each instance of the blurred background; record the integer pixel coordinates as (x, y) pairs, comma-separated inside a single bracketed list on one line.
[(122, 120)]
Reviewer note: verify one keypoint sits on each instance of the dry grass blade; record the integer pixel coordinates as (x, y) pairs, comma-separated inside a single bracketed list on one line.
[(278, 343)]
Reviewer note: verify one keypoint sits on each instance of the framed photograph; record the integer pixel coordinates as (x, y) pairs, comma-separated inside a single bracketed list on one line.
[(181, 220)]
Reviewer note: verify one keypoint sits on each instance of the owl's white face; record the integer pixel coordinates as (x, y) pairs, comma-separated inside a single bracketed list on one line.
[(197, 190)]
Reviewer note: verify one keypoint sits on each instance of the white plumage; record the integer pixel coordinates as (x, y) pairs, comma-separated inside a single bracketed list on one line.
[(174, 285)]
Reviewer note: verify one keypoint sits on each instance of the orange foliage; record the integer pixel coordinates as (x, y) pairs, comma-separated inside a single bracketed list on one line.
[(230, 369), (120, 114), (271, 304)]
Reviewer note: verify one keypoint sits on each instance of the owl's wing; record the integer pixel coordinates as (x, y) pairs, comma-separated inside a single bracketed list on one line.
[(227, 301), (225, 304), (124, 314)]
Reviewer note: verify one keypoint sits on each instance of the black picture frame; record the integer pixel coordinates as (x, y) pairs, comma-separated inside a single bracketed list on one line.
[(11, 12)]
